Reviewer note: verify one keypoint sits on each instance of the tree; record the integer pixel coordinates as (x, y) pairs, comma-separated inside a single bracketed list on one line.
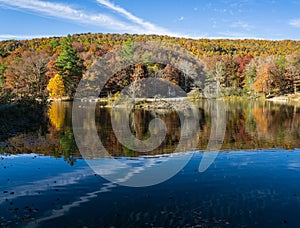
[(68, 61), (292, 73), (37, 68), (128, 50), (250, 76), (262, 83), (219, 74), (231, 66), (56, 87), (2, 78), (277, 71), (243, 62), (25, 75), (69, 66)]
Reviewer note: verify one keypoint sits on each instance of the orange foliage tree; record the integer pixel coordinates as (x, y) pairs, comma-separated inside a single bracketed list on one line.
[(56, 87), (262, 83)]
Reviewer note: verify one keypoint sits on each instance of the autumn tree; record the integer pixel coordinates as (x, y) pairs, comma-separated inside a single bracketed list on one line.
[(214, 75), (250, 73), (37, 67), (128, 49), (277, 71), (25, 75), (2, 78), (230, 78), (51, 66), (292, 73), (56, 87), (262, 83), (243, 61), (171, 74)]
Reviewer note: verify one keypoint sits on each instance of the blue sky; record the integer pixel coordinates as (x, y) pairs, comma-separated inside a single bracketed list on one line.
[(274, 19)]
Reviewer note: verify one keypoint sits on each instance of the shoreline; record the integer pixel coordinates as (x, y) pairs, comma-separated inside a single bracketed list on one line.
[(107, 102), (285, 98)]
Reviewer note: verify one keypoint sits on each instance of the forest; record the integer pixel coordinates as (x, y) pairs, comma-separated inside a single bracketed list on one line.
[(44, 68)]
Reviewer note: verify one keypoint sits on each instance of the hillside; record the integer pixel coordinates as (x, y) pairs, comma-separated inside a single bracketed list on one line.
[(44, 67)]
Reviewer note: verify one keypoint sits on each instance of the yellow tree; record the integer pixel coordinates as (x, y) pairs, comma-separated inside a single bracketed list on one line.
[(56, 87)]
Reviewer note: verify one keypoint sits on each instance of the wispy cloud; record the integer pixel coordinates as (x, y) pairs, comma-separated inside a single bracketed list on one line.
[(242, 24), (181, 18), (149, 27), (295, 23), (22, 37), (64, 11), (236, 35)]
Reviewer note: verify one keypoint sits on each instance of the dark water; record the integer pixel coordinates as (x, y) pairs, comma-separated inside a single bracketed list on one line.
[(253, 182)]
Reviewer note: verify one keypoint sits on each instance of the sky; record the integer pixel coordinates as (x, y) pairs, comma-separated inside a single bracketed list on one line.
[(238, 19)]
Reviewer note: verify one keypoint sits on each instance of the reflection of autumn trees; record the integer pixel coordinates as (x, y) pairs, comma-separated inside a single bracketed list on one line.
[(236, 133), (17, 119), (57, 115), (139, 123), (260, 115), (267, 125), (250, 125), (57, 141), (255, 125), (61, 131)]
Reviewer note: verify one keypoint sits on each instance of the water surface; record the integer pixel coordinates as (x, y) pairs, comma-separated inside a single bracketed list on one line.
[(254, 181)]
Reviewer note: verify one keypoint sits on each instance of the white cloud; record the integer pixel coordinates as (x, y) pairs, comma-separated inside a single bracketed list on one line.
[(235, 35), (22, 37), (65, 11), (149, 27), (181, 18), (295, 23), (241, 24)]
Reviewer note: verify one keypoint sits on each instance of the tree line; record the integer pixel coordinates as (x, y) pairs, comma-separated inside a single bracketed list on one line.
[(52, 67)]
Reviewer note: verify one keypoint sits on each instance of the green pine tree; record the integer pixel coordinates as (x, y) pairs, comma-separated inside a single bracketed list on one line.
[(69, 65)]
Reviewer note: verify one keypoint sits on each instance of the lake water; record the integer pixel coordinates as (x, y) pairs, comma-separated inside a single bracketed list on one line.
[(254, 180)]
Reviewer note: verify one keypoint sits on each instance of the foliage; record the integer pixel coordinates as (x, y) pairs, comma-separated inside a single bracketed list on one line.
[(2, 78), (25, 75), (68, 145), (56, 115), (238, 66), (128, 50), (67, 62), (262, 83), (56, 87), (250, 76), (292, 73), (69, 66)]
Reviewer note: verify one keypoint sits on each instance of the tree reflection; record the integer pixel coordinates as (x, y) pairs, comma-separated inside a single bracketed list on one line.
[(56, 115), (249, 125)]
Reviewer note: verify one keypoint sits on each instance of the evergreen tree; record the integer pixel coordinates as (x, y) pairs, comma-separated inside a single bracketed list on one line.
[(69, 66)]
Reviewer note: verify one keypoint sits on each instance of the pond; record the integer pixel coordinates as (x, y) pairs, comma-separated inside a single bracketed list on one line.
[(253, 181)]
